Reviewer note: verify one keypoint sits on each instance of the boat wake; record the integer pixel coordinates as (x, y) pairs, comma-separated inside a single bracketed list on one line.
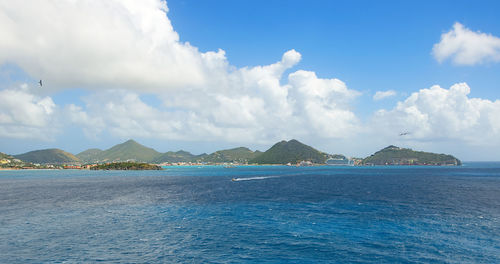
[(253, 178)]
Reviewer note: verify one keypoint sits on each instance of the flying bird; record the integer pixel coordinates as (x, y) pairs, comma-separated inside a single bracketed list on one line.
[(404, 134), (40, 82)]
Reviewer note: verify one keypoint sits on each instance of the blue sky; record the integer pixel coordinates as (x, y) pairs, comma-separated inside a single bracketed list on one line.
[(362, 42), (115, 70)]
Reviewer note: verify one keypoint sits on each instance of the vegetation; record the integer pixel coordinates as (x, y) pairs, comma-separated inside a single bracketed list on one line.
[(126, 166), (132, 150), (393, 155), (10, 162), (178, 156), (129, 150), (48, 156), (7, 161), (5, 156), (89, 155), (238, 155), (290, 152), (280, 153)]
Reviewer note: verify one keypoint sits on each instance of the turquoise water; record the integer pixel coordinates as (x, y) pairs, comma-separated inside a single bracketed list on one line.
[(271, 214)]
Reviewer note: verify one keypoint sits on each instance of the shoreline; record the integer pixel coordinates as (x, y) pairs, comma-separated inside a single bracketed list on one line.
[(244, 165)]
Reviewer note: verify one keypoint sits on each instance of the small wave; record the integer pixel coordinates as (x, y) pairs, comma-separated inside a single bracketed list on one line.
[(254, 178)]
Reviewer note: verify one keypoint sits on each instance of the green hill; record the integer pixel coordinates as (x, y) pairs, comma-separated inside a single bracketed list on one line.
[(89, 155), (393, 155), (5, 156), (8, 161), (178, 156), (129, 150), (48, 156), (240, 155), (126, 166), (290, 152)]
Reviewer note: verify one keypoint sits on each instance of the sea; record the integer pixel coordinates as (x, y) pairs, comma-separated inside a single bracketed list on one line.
[(252, 214)]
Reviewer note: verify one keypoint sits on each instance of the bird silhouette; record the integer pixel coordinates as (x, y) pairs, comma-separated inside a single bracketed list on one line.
[(40, 82)]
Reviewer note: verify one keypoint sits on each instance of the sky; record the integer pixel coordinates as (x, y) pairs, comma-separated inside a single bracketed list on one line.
[(347, 77)]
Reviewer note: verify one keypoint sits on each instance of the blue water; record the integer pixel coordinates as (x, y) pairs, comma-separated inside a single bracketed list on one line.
[(272, 214)]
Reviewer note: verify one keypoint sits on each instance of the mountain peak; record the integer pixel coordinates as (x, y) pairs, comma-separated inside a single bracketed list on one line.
[(291, 151), (239, 154), (391, 147), (128, 150), (130, 141), (52, 155)]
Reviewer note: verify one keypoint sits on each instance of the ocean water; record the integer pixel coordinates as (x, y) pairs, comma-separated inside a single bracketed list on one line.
[(268, 214)]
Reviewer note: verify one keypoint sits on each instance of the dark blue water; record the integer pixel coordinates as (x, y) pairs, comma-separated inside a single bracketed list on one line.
[(270, 214)]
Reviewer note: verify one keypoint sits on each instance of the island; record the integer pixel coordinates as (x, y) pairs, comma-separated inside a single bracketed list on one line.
[(292, 152), (126, 166), (393, 155), (131, 155)]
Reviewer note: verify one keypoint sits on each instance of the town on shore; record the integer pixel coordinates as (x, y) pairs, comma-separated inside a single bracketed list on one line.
[(131, 155)]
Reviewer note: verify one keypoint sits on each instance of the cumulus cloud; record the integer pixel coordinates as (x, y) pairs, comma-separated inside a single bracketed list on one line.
[(466, 47), (257, 109), (436, 114), (25, 115), (123, 49), (102, 44), (379, 95), (323, 104)]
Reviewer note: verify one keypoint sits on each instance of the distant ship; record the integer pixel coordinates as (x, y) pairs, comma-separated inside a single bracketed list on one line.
[(339, 162)]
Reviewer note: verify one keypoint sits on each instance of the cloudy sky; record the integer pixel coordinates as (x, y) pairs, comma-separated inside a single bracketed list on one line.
[(343, 76)]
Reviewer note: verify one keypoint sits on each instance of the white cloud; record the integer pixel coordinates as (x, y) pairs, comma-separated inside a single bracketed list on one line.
[(438, 114), (323, 104), (466, 47), (379, 95), (92, 125), (25, 115), (102, 44), (258, 110), (122, 49)]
